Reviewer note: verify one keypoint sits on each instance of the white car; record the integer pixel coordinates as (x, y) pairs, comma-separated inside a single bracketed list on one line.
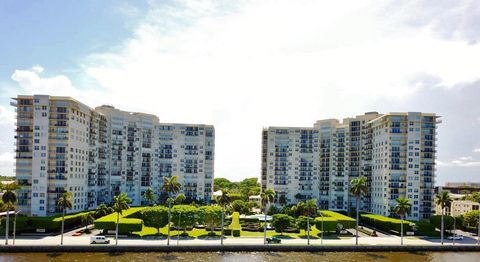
[(456, 237), (99, 240)]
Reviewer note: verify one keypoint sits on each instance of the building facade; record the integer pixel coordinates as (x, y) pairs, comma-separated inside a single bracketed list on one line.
[(63, 145), (395, 152)]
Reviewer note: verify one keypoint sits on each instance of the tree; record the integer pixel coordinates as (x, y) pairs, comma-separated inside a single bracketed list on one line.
[(309, 210), (402, 208), (64, 203), (281, 222), (443, 199), (120, 203), (282, 200), (179, 199), (471, 218), (240, 207), (223, 200), (149, 196), (357, 188), (184, 216), (87, 219), (170, 187), (156, 217), (102, 210), (9, 199), (267, 197), (210, 216)]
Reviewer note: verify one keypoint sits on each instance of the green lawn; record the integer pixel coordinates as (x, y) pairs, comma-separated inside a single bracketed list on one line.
[(150, 231)]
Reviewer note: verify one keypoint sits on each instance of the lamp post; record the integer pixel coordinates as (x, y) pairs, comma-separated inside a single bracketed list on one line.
[(454, 231), (15, 226), (321, 240), (308, 231)]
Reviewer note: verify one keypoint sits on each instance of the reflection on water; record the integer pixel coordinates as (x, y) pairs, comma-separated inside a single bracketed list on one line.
[(246, 256)]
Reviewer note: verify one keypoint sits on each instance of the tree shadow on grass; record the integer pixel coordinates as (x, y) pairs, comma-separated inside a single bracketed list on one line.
[(306, 237), (283, 236), (181, 237), (209, 237), (154, 237)]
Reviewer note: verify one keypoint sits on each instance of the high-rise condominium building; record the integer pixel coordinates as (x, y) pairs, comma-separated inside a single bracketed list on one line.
[(395, 152), (63, 145)]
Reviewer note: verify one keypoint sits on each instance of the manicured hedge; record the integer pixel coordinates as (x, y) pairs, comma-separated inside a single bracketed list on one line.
[(385, 223), (50, 224), (329, 223), (236, 233), (126, 225), (330, 217)]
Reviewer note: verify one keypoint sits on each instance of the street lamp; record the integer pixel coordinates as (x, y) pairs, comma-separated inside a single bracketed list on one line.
[(15, 225), (321, 240)]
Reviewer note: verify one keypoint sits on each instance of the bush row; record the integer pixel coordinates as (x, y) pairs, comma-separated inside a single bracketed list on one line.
[(50, 224), (387, 224)]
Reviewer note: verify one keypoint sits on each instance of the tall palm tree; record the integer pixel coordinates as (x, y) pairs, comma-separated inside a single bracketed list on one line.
[(443, 199), (9, 198), (149, 196), (64, 203), (223, 200), (267, 197), (357, 188), (120, 203), (402, 208), (170, 186), (309, 209)]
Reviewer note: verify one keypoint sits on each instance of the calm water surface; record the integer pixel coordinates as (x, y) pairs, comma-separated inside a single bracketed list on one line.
[(247, 256)]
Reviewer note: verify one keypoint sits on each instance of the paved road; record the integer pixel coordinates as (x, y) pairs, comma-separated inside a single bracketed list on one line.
[(85, 240)]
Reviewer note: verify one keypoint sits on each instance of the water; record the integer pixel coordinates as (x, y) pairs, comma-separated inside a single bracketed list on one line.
[(246, 256)]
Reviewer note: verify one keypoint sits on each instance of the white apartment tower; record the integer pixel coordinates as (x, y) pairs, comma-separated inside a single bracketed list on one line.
[(63, 145), (395, 152)]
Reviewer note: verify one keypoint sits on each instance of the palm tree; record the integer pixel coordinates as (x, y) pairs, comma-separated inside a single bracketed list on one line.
[(309, 209), (267, 197), (9, 198), (357, 187), (170, 186), (120, 203), (223, 200), (443, 199), (149, 196), (87, 219), (402, 208), (64, 203)]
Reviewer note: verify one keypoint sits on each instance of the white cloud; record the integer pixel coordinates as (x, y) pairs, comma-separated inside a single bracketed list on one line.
[(242, 65), (476, 150), (6, 115), (273, 63), (31, 82), (465, 161), (7, 157)]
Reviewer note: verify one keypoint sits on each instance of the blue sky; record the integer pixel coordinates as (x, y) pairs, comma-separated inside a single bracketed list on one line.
[(242, 65)]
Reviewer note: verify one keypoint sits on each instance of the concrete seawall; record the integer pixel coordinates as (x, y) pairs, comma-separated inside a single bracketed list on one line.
[(238, 248)]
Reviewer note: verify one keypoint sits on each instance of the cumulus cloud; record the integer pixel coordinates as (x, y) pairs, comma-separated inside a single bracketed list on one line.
[(476, 150), (242, 65), (32, 83), (276, 63)]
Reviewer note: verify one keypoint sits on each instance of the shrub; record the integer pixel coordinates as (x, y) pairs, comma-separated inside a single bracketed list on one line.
[(436, 221), (281, 222), (156, 217), (125, 226), (346, 221), (385, 223), (236, 232)]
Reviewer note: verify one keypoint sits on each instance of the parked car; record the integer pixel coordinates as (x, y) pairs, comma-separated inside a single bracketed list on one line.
[(99, 240), (456, 237), (273, 240)]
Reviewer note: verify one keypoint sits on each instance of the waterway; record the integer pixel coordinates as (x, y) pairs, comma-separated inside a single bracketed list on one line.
[(246, 256)]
